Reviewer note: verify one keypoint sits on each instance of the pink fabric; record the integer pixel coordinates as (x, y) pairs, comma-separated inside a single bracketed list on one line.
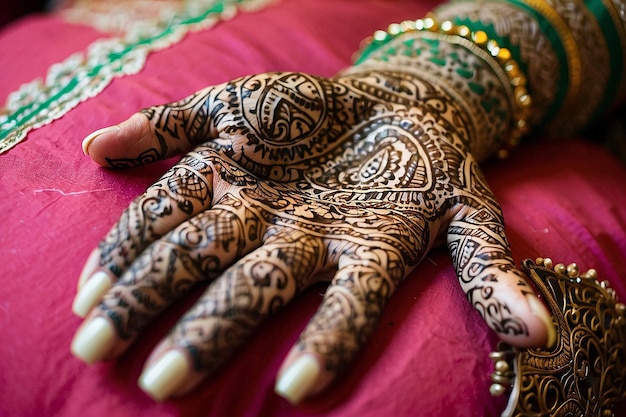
[(429, 355)]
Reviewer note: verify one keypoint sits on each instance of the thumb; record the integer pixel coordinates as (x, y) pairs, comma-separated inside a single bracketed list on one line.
[(153, 134), (487, 274)]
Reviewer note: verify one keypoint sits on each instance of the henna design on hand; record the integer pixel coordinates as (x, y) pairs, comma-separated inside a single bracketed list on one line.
[(294, 177), (480, 252), (255, 287), (146, 157), (198, 249), (185, 190)]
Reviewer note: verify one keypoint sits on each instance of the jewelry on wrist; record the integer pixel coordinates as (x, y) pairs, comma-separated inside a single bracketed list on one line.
[(564, 44), (502, 56)]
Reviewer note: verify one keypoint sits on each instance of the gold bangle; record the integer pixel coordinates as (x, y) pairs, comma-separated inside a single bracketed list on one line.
[(572, 54), (502, 56)]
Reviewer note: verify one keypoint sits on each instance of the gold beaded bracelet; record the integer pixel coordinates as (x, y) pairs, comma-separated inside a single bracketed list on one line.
[(517, 80)]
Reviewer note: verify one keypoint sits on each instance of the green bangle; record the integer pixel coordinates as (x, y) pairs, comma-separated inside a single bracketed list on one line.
[(564, 44), (502, 56), (608, 17)]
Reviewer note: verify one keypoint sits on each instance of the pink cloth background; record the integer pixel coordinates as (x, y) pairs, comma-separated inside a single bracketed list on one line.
[(429, 356)]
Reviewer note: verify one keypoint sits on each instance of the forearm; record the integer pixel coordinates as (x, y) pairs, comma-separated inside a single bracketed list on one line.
[(557, 66)]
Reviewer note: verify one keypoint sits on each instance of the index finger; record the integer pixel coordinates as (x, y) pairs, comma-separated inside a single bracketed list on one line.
[(182, 192)]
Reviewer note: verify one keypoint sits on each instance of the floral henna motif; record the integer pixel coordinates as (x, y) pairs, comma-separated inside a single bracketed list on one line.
[(368, 275)]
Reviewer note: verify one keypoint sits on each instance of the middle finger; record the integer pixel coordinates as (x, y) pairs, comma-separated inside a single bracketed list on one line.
[(200, 248)]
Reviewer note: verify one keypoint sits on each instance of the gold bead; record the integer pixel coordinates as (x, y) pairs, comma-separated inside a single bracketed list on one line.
[(621, 309), (539, 261), (380, 35), (521, 96), (394, 29), (480, 38), (572, 270), (502, 367), (512, 68), (547, 262), (464, 31), (496, 390), (503, 154), (430, 24), (493, 47), (497, 356), (518, 80), (525, 100), (447, 27), (499, 378), (560, 269), (503, 55), (591, 274), (519, 91), (407, 25)]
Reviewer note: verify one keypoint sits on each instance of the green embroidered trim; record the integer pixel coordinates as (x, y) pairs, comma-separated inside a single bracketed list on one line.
[(85, 75)]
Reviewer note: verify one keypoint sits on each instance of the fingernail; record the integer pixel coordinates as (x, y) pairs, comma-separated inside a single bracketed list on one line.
[(164, 377), (299, 379), (542, 313), (91, 293), (92, 263), (91, 137), (94, 340)]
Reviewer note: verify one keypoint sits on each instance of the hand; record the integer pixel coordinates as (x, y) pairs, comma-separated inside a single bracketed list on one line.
[(291, 179)]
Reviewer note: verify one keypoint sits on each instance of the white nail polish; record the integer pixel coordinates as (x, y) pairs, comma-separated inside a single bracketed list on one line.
[(91, 293), (94, 340), (299, 379), (90, 267), (91, 137), (164, 377)]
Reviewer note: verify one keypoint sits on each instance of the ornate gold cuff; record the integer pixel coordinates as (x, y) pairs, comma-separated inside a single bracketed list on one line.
[(584, 374)]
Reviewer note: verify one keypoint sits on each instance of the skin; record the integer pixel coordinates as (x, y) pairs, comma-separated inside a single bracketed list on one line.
[(291, 179)]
